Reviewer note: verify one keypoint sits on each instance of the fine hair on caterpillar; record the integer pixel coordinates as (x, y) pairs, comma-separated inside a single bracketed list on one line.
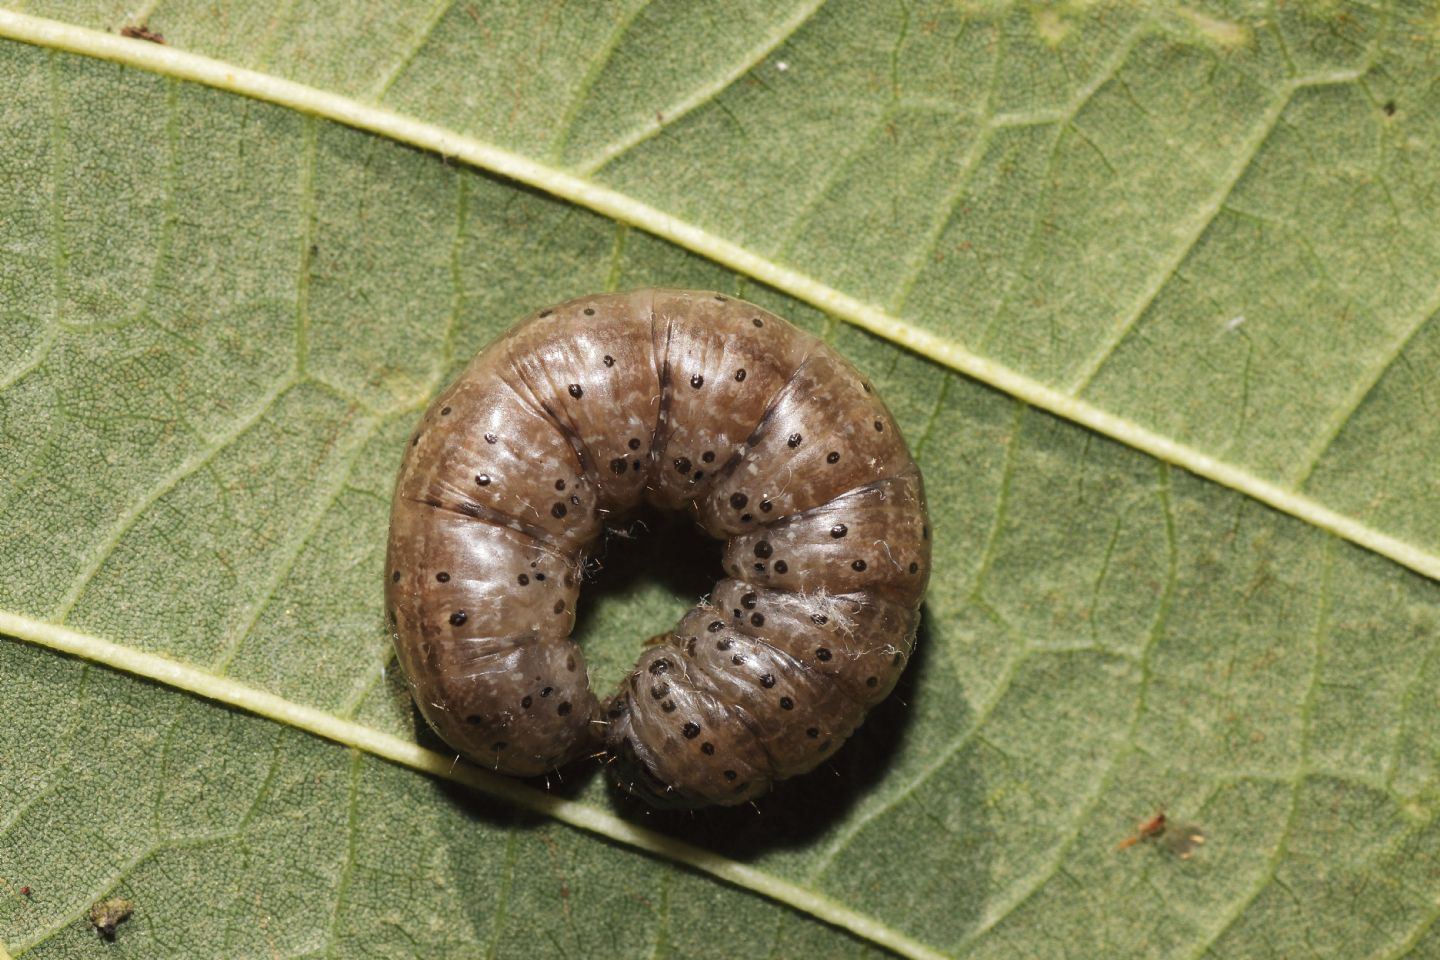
[(689, 402)]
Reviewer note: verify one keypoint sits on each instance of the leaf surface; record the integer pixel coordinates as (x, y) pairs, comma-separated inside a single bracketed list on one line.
[(1152, 235)]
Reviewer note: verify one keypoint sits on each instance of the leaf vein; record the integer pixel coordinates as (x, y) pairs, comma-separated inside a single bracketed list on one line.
[(388, 78), (299, 539), (1364, 387), (1199, 223), (597, 66), (703, 94), (192, 465), (347, 871), (1272, 863), (626, 209), (191, 679), (1137, 713)]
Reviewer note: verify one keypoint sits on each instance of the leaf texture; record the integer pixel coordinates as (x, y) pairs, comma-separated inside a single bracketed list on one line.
[(1087, 242)]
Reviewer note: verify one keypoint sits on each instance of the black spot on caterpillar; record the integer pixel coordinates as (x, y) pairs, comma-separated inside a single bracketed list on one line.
[(692, 401)]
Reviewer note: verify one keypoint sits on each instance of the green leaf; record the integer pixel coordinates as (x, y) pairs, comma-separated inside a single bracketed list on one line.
[(1150, 289)]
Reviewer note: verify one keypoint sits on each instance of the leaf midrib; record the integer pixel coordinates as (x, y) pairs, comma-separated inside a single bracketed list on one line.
[(623, 208), (192, 679)]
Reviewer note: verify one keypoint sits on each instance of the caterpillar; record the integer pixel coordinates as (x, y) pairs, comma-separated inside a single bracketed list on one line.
[(692, 401)]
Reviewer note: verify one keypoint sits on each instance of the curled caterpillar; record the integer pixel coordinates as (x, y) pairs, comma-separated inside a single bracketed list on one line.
[(692, 401)]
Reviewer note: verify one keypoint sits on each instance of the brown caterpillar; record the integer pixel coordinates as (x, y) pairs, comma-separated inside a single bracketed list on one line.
[(690, 400)]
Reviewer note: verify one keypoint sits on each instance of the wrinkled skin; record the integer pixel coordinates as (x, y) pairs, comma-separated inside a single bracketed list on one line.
[(692, 401)]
